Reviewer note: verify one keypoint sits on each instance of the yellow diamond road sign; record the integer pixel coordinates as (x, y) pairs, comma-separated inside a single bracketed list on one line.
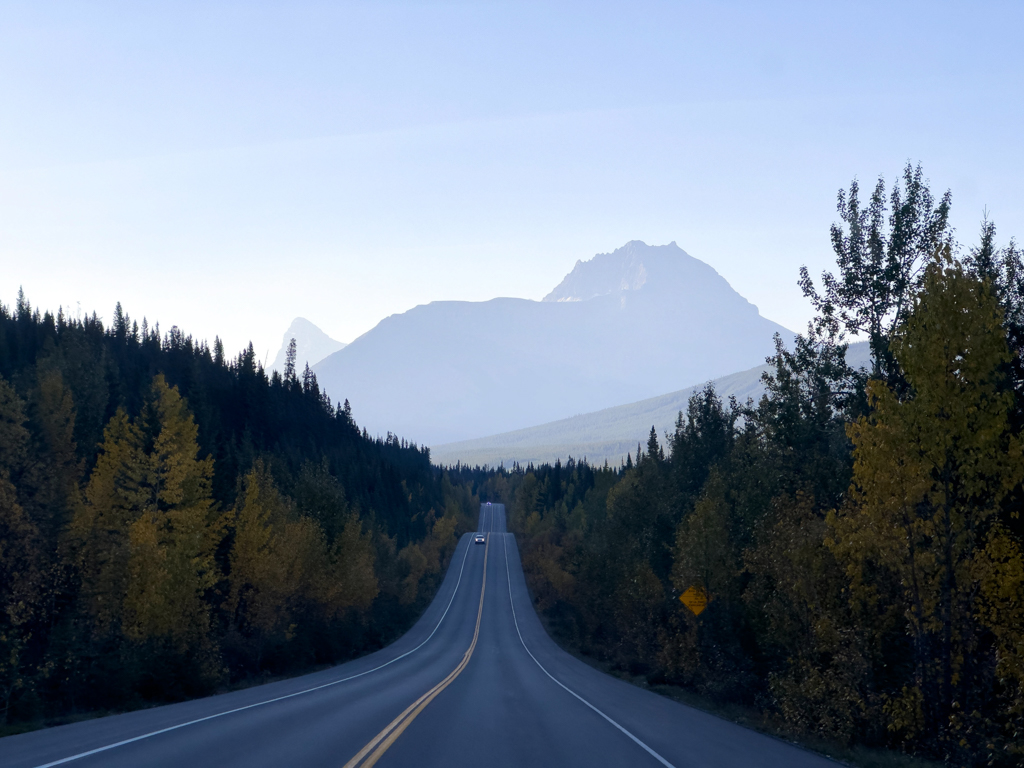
[(695, 598)]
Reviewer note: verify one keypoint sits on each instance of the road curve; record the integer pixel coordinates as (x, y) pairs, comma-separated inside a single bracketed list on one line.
[(477, 681)]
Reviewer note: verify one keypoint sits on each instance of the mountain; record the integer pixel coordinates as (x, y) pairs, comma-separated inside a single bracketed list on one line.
[(620, 327), (630, 268), (608, 434), (311, 345)]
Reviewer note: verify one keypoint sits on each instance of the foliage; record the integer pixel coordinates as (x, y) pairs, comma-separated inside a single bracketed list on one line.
[(880, 260), (931, 471), (858, 533), (171, 521)]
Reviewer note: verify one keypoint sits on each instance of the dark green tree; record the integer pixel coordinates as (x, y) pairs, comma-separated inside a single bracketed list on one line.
[(880, 249)]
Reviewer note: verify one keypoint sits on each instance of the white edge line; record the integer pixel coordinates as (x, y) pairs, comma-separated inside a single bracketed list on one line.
[(80, 755), (643, 746)]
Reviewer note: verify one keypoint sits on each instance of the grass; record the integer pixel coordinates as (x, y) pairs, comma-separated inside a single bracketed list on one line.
[(858, 756), (250, 681)]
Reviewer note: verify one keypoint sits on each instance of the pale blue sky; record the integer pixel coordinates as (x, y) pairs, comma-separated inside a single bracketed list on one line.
[(226, 167)]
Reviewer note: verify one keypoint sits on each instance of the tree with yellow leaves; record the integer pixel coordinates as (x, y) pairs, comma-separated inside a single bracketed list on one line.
[(115, 497), (145, 537), (283, 571), (265, 569), (172, 543), (919, 532)]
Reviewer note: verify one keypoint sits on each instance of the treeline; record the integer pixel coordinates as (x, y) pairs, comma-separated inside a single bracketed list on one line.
[(857, 533), (172, 521)]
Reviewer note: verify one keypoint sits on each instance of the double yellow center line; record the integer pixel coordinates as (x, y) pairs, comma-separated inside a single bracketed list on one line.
[(380, 743)]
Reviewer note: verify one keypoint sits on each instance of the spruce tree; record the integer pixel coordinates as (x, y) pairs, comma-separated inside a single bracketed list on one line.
[(289, 362)]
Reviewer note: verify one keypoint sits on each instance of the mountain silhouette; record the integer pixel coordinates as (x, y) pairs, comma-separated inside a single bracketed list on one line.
[(311, 345), (621, 327)]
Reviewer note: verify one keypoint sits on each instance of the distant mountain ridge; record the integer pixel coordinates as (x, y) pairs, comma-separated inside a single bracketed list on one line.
[(311, 345), (621, 327), (609, 434)]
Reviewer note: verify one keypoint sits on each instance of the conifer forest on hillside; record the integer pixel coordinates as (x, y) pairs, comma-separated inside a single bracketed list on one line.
[(173, 521)]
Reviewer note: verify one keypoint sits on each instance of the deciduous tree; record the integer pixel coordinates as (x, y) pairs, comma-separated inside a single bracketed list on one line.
[(931, 468)]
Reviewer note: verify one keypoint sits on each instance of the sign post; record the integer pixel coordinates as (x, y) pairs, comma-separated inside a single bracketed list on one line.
[(696, 599)]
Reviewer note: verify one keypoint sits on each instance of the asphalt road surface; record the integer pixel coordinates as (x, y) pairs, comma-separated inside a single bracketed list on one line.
[(476, 682)]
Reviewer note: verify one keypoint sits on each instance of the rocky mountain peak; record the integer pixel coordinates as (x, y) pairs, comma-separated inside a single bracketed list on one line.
[(638, 266), (311, 345)]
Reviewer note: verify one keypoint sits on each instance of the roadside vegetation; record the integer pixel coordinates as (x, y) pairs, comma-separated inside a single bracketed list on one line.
[(857, 534), (173, 522)]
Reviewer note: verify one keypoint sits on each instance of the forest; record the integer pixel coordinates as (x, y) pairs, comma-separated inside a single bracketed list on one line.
[(849, 546), (173, 522), (855, 533)]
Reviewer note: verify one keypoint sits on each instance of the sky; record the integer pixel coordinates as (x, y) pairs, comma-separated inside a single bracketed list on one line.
[(226, 167)]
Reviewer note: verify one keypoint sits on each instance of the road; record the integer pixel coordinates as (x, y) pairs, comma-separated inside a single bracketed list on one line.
[(477, 681)]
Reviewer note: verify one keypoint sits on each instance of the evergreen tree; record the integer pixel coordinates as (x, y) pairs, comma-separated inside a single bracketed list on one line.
[(254, 603), (289, 362), (116, 496), (20, 574), (172, 543), (113, 554), (20, 593), (653, 449)]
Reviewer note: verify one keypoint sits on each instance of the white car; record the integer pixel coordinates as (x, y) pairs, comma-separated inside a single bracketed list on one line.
[(479, 539)]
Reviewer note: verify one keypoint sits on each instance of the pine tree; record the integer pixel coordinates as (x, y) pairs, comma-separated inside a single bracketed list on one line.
[(116, 496), (309, 383), (173, 541), (57, 468), (20, 562), (289, 362), (20, 593), (120, 324), (14, 436), (653, 449), (145, 537)]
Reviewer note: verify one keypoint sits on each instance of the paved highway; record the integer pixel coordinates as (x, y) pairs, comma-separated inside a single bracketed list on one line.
[(475, 682)]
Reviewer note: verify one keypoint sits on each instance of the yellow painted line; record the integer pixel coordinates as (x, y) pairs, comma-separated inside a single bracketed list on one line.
[(380, 743)]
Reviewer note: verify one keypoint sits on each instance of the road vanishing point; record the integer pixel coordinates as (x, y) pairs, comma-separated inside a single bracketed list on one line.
[(476, 682)]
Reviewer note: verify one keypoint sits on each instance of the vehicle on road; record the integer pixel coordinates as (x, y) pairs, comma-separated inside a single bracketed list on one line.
[(479, 539)]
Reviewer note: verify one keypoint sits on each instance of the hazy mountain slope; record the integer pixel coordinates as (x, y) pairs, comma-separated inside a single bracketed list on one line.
[(607, 434), (311, 345), (621, 327)]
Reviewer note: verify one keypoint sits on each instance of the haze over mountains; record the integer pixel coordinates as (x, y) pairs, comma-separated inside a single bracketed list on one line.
[(609, 434), (311, 345), (622, 326)]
